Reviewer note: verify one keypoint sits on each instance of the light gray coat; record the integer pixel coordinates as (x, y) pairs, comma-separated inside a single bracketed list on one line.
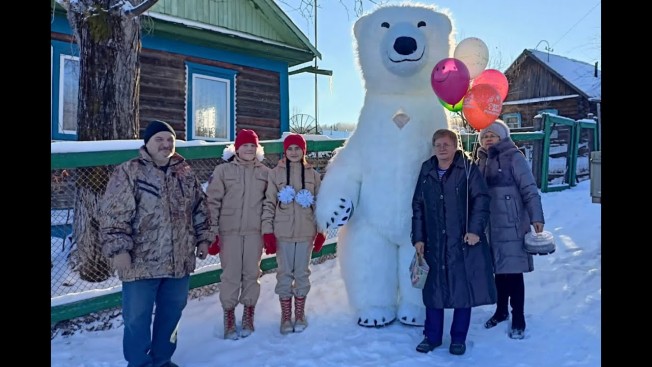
[(515, 204)]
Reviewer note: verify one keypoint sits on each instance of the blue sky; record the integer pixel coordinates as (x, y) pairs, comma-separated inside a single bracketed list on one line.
[(571, 28)]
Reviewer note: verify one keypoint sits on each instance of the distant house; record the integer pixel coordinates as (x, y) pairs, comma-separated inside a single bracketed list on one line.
[(208, 67), (542, 82)]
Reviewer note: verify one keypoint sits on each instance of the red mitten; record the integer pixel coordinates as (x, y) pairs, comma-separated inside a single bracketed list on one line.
[(320, 238), (214, 248), (269, 240)]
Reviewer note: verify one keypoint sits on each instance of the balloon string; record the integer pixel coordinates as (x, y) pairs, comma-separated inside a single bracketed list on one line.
[(468, 128)]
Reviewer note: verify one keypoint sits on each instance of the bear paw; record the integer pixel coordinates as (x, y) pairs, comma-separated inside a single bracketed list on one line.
[(413, 315), (341, 214), (376, 317)]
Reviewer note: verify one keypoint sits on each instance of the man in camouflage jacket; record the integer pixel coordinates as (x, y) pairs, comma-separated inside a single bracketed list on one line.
[(153, 223)]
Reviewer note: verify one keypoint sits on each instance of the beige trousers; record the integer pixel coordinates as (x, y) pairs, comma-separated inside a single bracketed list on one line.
[(293, 272), (240, 259)]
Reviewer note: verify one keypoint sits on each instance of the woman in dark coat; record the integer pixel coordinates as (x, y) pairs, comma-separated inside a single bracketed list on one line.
[(515, 204), (450, 212)]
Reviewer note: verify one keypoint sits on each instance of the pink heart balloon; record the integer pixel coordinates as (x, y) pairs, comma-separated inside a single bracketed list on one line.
[(450, 80)]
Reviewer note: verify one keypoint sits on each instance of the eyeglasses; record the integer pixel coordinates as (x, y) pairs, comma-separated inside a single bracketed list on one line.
[(442, 146)]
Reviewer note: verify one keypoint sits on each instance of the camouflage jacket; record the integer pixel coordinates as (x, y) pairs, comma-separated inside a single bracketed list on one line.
[(158, 216)]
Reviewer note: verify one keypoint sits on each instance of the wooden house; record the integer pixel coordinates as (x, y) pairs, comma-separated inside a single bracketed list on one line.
[(209, 68), (543, 82)]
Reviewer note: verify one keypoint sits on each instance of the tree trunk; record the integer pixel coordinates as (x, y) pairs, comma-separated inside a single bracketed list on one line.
[(109, 40)]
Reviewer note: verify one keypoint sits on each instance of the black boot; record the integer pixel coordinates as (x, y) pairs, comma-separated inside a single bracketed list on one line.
[(426, 346), (502, 291)]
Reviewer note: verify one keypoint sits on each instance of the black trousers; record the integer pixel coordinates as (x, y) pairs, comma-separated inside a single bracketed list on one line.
[(510, 288)]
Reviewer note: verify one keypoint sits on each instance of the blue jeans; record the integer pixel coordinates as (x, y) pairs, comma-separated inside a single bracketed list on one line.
[(434, 326), (142, 344)]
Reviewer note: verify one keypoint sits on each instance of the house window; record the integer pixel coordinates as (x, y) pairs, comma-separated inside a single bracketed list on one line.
[(551, 111), (513, 120), (69, 94), (211, 94), (65, 91)]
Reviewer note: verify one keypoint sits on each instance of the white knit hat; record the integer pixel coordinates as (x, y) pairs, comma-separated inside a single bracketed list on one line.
[(498, 127)]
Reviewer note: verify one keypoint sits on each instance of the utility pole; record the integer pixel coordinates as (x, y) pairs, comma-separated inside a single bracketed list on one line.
[(316, 99)]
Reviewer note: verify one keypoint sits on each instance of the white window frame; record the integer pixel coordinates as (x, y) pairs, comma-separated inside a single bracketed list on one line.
[(226, 77), (62, 60)]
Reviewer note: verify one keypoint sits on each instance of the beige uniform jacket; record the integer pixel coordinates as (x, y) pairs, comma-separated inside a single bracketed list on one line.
[(290, 222), (235, 192)]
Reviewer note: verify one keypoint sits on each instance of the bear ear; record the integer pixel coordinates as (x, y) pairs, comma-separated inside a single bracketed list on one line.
[(359, 24), (444, 21)]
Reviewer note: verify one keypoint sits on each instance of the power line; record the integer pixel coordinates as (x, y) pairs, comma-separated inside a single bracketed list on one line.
[(576, 23)]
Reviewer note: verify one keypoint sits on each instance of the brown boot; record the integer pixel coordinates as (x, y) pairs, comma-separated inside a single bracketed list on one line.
[(247, 321), (300, 322), (230, 331), (286, 316)]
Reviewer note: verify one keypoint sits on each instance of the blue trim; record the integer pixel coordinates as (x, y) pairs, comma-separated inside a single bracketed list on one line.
[(194, 68), (507, 116), (60, 25), (59, 48), (284, 100)]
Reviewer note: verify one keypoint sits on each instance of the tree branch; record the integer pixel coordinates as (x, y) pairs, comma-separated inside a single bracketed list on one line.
[(140, 8)]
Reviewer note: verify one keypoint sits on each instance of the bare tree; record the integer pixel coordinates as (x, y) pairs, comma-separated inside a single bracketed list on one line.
[(109, 39)]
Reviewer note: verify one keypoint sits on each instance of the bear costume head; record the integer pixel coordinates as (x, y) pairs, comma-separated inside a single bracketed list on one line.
[(410, 42)]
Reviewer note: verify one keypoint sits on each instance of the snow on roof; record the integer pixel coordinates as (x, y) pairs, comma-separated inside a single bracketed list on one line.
[(578, 73)]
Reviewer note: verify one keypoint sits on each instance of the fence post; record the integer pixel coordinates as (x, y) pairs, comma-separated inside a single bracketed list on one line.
[(545, 155)]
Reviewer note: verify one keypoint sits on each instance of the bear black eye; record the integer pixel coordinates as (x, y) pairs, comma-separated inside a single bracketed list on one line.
[(421, 24), (385, 25)]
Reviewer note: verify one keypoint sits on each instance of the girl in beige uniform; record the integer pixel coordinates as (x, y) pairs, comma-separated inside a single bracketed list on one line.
[(235, 195), (288, 216)]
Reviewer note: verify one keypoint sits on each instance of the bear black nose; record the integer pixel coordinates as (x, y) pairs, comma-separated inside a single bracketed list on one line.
[(405, 45)]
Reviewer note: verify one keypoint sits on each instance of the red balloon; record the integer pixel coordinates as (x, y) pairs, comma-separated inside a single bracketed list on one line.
[(494, 78), (450, 80), (482, 106)]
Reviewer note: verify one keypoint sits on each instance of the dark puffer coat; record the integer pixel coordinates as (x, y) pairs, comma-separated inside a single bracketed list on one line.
[(460, 275), (515, 204)]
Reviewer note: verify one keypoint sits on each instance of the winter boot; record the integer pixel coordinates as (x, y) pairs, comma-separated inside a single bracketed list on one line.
[(286, 315), (496, 319), (518, 326), (502, 292), (457, 348), (300, 322), (230, 331), (247, 321)]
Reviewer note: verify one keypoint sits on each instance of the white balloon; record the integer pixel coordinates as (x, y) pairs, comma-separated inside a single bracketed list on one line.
[(473, 52)]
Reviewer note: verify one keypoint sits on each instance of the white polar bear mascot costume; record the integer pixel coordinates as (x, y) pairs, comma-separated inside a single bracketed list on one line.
[(377, 168)]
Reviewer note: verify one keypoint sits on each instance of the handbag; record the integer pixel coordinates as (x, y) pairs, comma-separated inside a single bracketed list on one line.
[(539, 243), (418, 271)]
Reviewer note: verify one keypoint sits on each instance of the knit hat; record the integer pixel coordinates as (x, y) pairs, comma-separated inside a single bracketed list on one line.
[(157, 126), (246, 136), (295, 139), (498, 127)]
